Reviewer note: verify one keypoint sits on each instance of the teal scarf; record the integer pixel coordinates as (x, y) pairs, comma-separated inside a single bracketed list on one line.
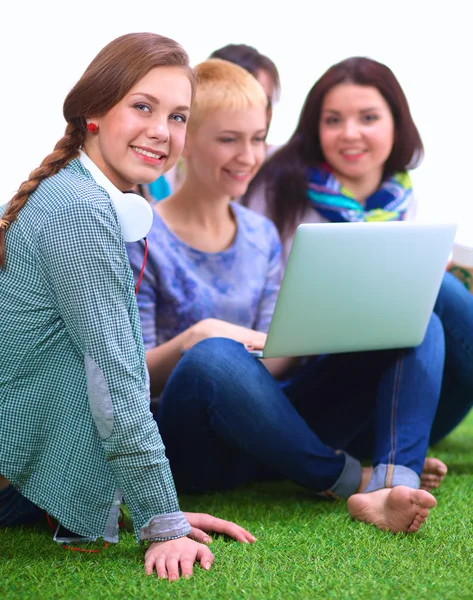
[(337, 204)]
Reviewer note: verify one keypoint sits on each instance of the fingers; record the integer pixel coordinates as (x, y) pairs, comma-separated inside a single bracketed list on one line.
[(177, 556), (161, 570), (205, 557), (200, 536), (168, 568), (172, 566), (233, 530), (201, 521), (158, 562)]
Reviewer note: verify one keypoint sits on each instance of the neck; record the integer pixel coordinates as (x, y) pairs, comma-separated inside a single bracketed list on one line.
[(362, 187), (200, 206)]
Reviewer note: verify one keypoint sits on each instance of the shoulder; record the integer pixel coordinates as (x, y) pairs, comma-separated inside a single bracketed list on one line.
[(256, 229), (70, 193), (71, 182)]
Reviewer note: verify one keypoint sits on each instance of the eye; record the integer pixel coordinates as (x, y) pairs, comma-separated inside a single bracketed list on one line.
[(331, 120), (259, 139), (142, 107), (227, 140), (369, 118), (179, 118)]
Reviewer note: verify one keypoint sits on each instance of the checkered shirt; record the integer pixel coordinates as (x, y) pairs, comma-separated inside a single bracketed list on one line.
[(67, 297)]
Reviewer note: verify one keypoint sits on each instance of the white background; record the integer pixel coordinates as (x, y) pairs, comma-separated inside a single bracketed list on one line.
[(47, 45)]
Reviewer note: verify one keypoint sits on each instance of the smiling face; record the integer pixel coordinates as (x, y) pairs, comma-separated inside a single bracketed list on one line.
[(226, 150), (356, 132), (143, 135)]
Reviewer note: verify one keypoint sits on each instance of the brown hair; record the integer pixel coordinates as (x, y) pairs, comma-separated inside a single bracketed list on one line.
[(251, 60), (108, 78), (284, 174)]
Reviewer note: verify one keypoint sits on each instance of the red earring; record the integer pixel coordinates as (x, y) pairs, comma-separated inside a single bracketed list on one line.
[(92, 127)]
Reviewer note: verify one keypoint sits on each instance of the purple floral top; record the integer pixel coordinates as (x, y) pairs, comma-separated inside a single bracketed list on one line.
[(182, 285)]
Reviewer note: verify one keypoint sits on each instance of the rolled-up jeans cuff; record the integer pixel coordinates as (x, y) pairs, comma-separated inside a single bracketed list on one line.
[(388, 476), (349, 480)]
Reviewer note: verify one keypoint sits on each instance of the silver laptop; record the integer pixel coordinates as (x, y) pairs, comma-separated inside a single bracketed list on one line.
[(358, 286)]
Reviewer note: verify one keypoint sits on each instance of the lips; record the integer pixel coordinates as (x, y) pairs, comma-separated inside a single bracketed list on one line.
[(238, 175), (155, 154), (352, 153)]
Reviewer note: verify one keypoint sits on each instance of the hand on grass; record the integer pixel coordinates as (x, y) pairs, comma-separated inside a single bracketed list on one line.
[(167, 558), (202, 523)]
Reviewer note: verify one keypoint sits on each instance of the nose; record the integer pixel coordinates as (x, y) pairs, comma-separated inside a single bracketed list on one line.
[(247, 154), (350, 129), (159, 129)]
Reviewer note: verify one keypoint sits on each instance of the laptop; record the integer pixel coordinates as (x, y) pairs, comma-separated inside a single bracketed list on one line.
[(352, 287)]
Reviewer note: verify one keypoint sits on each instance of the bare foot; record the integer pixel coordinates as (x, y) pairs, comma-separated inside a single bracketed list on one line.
[(433, 473), (398, 509)]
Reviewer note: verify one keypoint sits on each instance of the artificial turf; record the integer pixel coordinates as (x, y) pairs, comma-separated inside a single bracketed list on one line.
[(306, 548)]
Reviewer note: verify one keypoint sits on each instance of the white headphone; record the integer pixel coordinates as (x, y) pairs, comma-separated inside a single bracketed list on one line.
[(134, 213)]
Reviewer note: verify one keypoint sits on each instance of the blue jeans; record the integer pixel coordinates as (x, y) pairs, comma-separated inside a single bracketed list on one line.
[(15, 509), (454, 306), (226, 421)]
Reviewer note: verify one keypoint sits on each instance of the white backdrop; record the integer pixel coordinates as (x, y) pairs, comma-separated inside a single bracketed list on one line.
[(47, 45)]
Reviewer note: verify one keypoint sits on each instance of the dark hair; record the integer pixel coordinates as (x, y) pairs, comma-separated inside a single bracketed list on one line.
[(283, 176), (108, 78), (250, 59)]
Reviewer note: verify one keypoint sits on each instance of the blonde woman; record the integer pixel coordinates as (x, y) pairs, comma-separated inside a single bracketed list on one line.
[(208, 294)]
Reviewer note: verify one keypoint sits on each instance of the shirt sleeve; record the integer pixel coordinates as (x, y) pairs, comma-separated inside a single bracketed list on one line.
[(272, 282), (147, 292), (82, 256)]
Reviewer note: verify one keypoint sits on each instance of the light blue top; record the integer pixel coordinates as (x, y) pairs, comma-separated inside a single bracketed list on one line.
[(159, 189), (182, 285)]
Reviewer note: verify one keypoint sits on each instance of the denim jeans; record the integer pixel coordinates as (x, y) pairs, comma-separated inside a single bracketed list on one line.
[(454, 306), (15, 509), (226, 421)]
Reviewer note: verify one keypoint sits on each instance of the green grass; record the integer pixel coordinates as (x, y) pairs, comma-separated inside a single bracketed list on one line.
[(306, 548)]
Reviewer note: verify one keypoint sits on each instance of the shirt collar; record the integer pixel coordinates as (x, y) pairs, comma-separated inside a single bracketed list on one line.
[(134, 213)]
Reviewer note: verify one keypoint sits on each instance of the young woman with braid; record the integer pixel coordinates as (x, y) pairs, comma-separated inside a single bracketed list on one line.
[(76, 431), (347, 161)]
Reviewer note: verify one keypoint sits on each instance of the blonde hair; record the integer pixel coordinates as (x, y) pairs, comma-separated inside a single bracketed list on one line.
[(222, 84), (108, 78)]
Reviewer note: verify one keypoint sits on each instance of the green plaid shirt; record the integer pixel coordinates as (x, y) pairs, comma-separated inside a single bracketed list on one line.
[(75, 426)]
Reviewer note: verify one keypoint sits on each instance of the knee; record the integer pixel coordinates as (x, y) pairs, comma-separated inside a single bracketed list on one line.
[(452, 295), (435, 333), (217, 358)]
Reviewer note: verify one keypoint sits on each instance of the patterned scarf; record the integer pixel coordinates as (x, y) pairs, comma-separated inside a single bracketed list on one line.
[(337, 204)]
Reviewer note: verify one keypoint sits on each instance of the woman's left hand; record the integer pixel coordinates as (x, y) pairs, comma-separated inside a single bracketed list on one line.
[(202, 523)]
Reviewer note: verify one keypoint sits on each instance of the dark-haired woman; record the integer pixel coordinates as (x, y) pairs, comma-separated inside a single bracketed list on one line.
[(348, 161)]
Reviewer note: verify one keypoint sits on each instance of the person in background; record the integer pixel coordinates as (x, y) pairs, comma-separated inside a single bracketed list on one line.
[(349, 160), (208, 294), (76, 432)]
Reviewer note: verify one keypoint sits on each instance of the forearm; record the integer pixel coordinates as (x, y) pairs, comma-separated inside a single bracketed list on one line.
[(162, 360), (137, 459)]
